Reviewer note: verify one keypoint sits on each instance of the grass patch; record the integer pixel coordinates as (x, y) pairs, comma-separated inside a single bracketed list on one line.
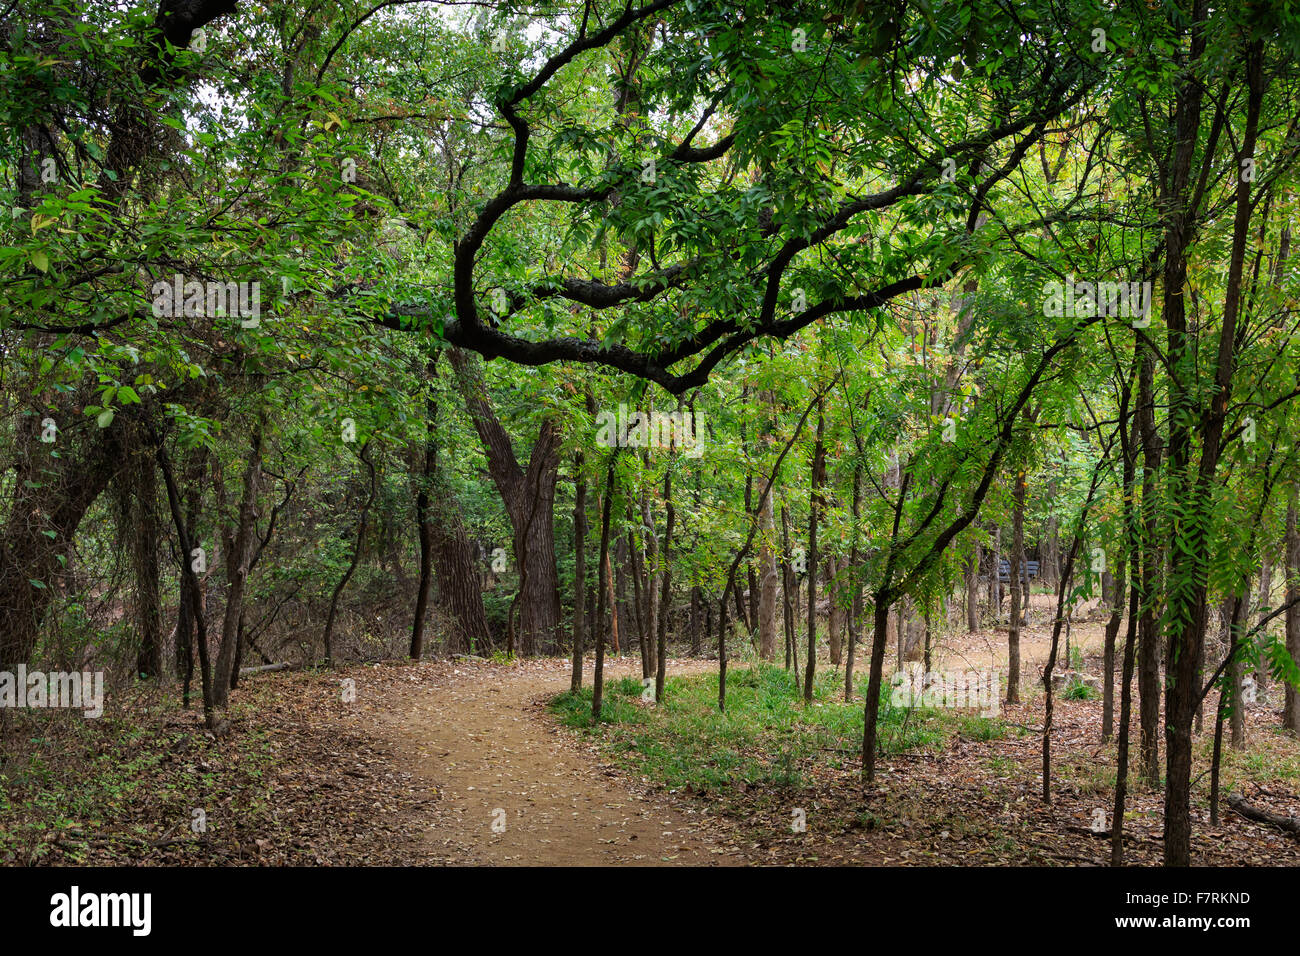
[(767, 735)]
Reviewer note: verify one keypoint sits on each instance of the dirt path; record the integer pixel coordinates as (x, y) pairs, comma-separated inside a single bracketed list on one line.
[(516, 789)]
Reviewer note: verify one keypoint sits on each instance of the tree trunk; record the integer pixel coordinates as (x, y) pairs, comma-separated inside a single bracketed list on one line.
[(1264, 602), (1291, 705), (789, 589), (1193, 489), (995, 585), (972, 590), (190, 590), (529, 499), (362, 520), (1118, 596), (767, 594), (1148, 663), (579, 570), (661, 644), (145, 540), (239, 552), (696, 649), (835, 620), (598, 671), (1016, 564), (814, 506), (855, 608), (879, 640), (53, 486), (422, 522)]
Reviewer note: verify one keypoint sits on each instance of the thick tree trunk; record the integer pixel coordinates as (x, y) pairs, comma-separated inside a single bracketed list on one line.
[(529, 499), (460, 595), (53, 486)]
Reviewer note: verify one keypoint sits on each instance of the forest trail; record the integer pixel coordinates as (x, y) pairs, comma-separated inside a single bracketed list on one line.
[(484, 739)]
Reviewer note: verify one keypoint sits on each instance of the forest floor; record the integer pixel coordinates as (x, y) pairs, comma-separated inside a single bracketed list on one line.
[(515, 789), (953, 789), (471, 762)]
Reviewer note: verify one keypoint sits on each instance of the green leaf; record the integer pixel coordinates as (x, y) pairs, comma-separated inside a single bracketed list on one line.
[(104, 418)]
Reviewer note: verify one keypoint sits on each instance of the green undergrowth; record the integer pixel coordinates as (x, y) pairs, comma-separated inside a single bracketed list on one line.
[(767, 735)]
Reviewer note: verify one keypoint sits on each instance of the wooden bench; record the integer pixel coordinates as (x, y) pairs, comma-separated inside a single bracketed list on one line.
[(1028, 571)]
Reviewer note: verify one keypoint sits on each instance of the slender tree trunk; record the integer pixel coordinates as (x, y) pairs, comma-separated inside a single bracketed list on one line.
[(879, 640), (1194, 489), (1240, 611), (972, 590), (1119, 592), (1017, 563), (770, 582), (835, 620), (995, 584), (661, 644), (856, 604), (789, 588), (696, 649), (1132, 536), (1291, 704), (1264, 602), (191, 581), (1125, 718), (579, 570), (814, 506), (1148, 663), (239, 554), (149, 661), (422, 522), (362, 521), (639, 604), (598, 672)]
